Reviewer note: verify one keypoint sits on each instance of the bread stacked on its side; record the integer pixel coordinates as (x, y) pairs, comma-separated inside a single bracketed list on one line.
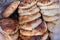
[(31, 25), (10, 9), (33, 16), (50, 13), (8, 25), (39, 33)]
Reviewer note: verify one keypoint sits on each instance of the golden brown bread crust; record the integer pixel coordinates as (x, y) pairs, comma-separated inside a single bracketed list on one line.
[(10, 9), (55, 3), (26, 10), (47, 3), (42, 27), (25, 2), (28, 18), (37, 37), (31, 25), (8, 24), (39, 30), (44, 1), (31, 8), (29, 11)]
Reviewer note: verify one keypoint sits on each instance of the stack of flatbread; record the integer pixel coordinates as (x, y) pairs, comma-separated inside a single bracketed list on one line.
[(31, 25), (9, 26), (50, 12)]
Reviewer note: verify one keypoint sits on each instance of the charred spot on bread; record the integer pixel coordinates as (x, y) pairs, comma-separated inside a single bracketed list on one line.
[(44, 1), (8, 24)]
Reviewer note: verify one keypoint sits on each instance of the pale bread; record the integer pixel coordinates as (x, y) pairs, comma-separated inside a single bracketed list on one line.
[(55, 21), (34, 11), (4, 35), (37, 37), (25, 10), (26, 6), (29, 9), (39, 30), (40, 4), (47, 4), (50, 12), (52, 6), (28, 18), (51, 26), (51, 18), (10, 9), (31, 25)]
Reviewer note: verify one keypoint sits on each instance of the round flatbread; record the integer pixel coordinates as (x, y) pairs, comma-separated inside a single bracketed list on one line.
[(46, 2), (51, 18), (31, 25), (11, 8), (39, 30), (27, 4), (28, 18), (29, 11), (37, 37), (9, 25), (50, 12)]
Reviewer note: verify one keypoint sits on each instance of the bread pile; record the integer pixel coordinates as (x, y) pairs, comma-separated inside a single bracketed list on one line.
[(9, 25), (50, 12), (33, 16), (31, 25), (10, 9)]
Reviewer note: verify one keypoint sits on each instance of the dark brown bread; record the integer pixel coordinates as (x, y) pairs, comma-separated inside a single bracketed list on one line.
[(8, 25)]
